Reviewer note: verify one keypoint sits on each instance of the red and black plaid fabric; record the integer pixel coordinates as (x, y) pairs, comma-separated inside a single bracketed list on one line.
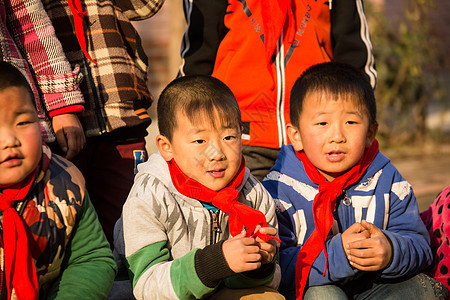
[(115, 90), (28, 41)]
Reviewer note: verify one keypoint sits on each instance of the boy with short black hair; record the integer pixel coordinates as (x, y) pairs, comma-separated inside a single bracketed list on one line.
[(52, 244), (196, 223), (349, 222)]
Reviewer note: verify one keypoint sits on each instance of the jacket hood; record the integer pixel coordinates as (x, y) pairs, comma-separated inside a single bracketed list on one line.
[(288, 163)]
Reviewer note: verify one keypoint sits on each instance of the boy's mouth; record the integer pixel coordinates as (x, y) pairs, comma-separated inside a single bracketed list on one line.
[(217, 173), (11, 161), (335, 156)]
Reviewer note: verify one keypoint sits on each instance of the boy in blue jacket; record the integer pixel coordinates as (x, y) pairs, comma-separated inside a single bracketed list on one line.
[(348, 221)]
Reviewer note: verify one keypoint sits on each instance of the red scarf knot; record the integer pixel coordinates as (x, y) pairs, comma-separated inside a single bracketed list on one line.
[(240, 215), (6, 204), (323, 206), (226, 199)]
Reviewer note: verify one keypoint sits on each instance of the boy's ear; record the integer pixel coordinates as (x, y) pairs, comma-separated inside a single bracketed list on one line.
[(164, 147), (294, 136), (371, 133)]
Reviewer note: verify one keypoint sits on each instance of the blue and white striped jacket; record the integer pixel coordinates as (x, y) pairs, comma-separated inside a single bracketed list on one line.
[(382, 197)]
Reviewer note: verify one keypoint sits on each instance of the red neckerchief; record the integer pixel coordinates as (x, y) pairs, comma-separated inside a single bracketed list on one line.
[(323, 207), (240, 215), (77, 12), (19, 266)]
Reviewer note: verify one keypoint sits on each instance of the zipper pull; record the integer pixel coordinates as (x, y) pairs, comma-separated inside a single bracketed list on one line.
[(347, 201), (215, 220)]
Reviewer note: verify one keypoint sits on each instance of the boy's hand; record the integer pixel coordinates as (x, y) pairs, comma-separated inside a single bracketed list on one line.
[(354, 233), (268, 249), (69, 134), (371, 254), (242, 253)]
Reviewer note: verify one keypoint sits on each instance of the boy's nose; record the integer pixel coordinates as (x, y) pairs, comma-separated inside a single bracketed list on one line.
[(337, 135), (8, 139), (214, 152)]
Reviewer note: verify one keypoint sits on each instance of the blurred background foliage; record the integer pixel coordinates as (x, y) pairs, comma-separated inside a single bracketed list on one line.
[(410, 84)]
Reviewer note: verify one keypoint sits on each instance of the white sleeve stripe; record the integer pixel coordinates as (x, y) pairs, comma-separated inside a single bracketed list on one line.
[(386, 210), (307, 191), (369, 67)]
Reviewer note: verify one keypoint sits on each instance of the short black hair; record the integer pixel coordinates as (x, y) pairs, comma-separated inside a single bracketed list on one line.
[(337, 79), (196, 94), (11, 76)]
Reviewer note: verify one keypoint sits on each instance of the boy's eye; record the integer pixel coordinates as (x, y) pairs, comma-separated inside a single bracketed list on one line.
[(23, 123), (351, 122), (321, 123), (199, 141), (229, 138)]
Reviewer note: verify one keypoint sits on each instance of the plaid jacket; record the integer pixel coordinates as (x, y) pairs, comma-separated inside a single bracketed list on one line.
[(115, 90), (28, 41)]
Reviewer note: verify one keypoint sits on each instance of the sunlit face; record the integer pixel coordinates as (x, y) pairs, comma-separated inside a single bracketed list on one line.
[(209, 154), (333, 132), (20, 136)]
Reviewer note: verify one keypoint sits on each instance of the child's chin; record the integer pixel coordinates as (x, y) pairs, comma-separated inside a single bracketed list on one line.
[(216, 186)]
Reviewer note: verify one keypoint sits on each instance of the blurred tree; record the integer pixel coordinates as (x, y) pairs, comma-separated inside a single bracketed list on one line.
[(406, 57)]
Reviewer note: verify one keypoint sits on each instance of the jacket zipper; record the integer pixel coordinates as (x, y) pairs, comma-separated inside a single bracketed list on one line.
[(215, 226)]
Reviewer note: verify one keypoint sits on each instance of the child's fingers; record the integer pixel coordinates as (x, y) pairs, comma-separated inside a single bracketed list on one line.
[(251, 248), (355, 228), (371, 259), (240, 235), (269, 246), (252, 258), (361, 244), (359, 253), (252, 266), (268, 230), (373, 230), (248, 241), (364, 264), (266, 257), (61, 139)]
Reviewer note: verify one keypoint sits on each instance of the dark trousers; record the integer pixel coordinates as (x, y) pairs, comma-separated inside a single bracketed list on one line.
[(109, 168), (259, 160)]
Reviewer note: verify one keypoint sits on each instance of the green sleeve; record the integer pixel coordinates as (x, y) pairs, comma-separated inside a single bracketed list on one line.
[(140, 261), (187, 287), (183, 277), (88, 268)]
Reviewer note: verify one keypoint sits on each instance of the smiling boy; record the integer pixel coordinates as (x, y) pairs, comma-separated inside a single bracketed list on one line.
[(196, 223), (349, 222)]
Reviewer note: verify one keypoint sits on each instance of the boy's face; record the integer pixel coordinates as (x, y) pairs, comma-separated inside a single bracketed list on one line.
[(333, 133), (20, 136), (209, 155)]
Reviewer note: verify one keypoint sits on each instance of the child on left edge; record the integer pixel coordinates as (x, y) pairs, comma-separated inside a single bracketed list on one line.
[(52, 244)]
